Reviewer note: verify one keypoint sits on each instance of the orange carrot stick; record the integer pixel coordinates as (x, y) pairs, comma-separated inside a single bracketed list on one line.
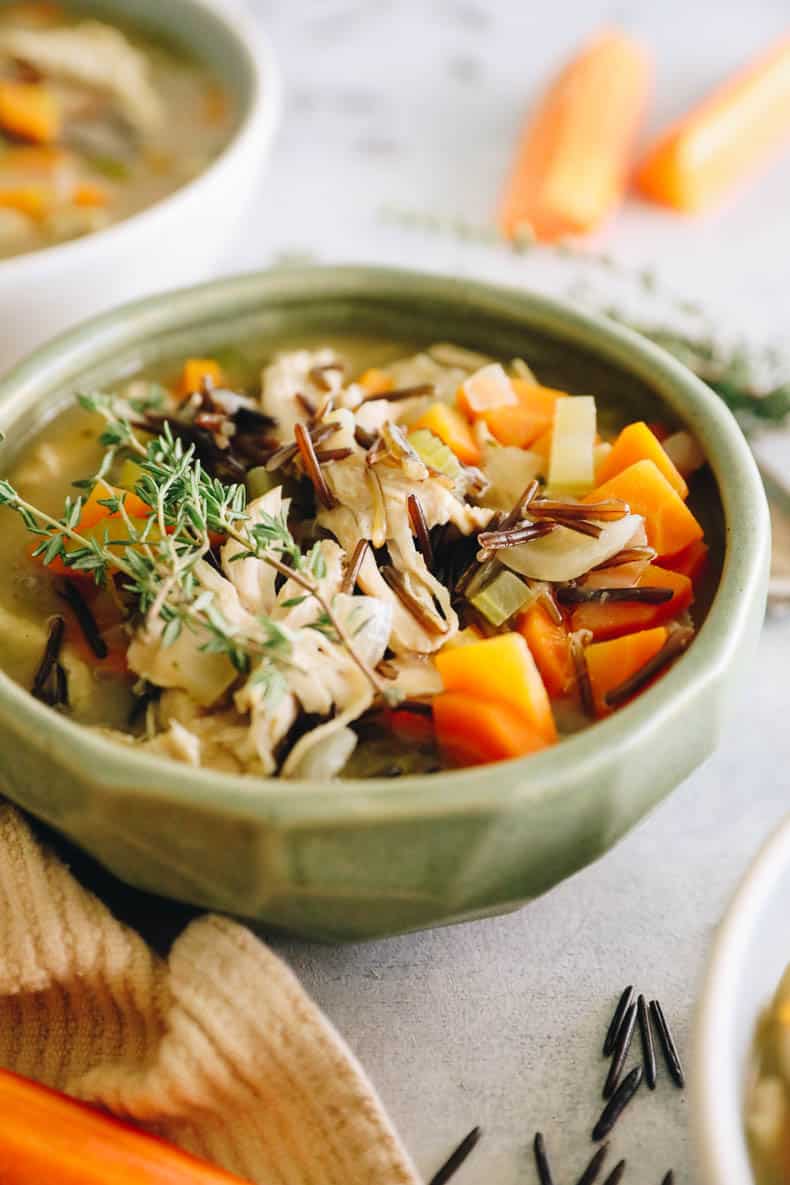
[(730, 135), (47, 1137), (571, 165)]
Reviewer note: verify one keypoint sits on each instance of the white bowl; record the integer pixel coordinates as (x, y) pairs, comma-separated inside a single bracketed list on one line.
[(751, 951), (180, 239)]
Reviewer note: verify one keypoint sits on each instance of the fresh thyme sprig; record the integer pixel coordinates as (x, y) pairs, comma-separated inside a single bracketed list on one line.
[(159, 554)]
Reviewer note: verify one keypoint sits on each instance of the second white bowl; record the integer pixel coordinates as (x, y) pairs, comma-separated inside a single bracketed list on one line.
[(751, 951), (181, 239)]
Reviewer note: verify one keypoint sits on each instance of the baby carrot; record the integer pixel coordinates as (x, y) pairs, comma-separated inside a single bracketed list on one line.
[(728, 136), (571, 164)]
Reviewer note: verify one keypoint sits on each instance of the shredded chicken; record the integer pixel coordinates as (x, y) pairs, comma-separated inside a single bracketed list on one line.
[(354, 519), (96, 55), (294, 374), (185, 664)]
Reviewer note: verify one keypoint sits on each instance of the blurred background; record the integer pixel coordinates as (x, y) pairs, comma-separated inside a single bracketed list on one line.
[(401, 122)]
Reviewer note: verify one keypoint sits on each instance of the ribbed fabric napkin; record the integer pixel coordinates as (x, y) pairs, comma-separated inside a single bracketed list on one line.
[(218, 1049)]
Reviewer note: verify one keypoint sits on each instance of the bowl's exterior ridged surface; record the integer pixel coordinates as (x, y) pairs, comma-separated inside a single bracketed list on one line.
[(363, 859)]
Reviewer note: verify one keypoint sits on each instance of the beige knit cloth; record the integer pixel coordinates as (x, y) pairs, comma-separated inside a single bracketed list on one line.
[(218, 1050)]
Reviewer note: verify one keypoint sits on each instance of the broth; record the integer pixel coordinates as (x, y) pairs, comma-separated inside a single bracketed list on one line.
[(239, 425)]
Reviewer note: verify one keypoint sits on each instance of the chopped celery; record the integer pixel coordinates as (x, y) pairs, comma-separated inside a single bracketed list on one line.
[(434, 452), (259, 481), (502, 598), (571, 464)]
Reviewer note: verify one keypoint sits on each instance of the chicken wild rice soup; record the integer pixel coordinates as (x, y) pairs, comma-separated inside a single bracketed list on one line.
[(333, 568), (97, 122)]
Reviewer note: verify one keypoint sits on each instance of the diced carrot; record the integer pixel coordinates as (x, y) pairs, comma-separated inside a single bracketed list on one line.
[(669, 523), (486, 390), (411, 727), (500, 669), (571, 165), (691, 562), (637, 443), (542, 446), (93, 514), (609, 664), (528, 419), (48, 1137), (196, 372), (29, 110), (550, 647), (475, 731), (88, 194), (734, 132), (612, 619), (376, 382), (451, 427), (93, 511), (34, 200)]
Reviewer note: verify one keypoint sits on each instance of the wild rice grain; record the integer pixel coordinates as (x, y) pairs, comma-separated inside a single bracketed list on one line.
[(403, 393), (420, 528), (648, 1048), (617, 1104), (457, 1158), (312, 468), (49, 659), (590, 1174), (616, 1174), (354, 568), (571, 594), (69, 592), (542, 1161), (667, 1043), (617, 1019), (620, 1051)]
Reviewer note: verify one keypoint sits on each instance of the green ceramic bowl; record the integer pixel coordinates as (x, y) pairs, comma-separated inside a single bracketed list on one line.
[(360, 859)]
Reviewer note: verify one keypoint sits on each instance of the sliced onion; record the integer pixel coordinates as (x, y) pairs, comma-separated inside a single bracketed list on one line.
[(509, 470), (369, 623), (566, 555), (324, 760)]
